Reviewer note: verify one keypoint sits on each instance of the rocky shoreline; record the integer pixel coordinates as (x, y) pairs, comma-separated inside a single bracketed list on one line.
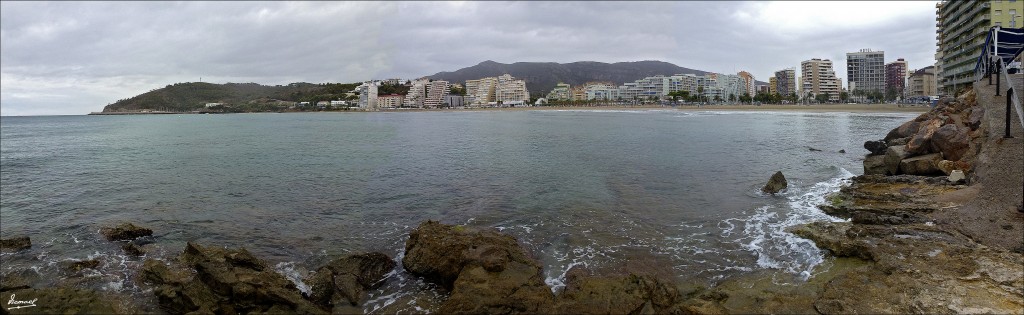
[(898, 252)]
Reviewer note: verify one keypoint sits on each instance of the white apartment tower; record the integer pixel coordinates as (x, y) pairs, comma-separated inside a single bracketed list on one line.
[(818, 77), (865, 71)]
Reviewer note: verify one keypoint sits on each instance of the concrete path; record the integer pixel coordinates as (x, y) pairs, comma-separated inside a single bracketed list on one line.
[(992, 218)]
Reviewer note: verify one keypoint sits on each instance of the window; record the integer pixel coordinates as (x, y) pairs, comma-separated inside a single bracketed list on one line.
[(999, 24), (1000, 12), (1013, 11)]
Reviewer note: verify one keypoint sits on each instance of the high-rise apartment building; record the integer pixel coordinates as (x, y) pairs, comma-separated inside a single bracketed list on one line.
[(773, 85), (818, 77), (961, 28), (417, 93), (749, 84), (481, 91), (896, 77), (367, 95), (785, 81), (560, 92), (865, 71)]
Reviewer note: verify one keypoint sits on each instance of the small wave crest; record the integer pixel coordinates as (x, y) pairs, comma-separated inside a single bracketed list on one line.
[(764, 232)]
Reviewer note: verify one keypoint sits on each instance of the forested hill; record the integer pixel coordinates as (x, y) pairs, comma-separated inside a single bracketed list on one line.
[(190, 96)]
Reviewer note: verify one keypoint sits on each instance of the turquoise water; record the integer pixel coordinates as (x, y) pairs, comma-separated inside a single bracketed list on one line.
[(595, 188)]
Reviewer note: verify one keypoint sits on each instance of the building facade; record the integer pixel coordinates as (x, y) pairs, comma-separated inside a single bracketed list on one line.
[(961, 28), (922, 83), (367, 95), (559, 93), (511, 91), (896, 77), (785, 82), (865, 71), (390, 100), (749, 84), (773, 85), (819, 77), (435, 93), (481, 92)]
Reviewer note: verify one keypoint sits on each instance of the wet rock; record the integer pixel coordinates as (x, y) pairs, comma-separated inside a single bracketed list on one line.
[(124, 232), (17, 280), (951, 141), (907, 129), (874, 164), (76, 266), (924, 165), (893, 156), (223, 281), (486, 272), (842, 151), (876, 147), (630, 294), (344, 280), (15, 244), (133, 250), (775, 184), (813, 149)]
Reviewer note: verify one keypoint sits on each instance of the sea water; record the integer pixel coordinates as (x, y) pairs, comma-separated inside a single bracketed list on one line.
[(677, 190)]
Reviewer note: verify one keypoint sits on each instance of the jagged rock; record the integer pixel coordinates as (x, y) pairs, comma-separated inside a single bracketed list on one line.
[(132, 249), (974, 120), (946, 166), (344, 280), (897, 141), (225, 281), (125, 232), (874, 164), (893, 156), (920, 143), (15, 244), (907, 129), (876, 147), (775, 184), (924, 165), (630, 294), (951, 141), (487, 272)]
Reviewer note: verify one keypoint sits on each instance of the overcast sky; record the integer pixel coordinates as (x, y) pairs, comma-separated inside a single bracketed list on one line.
[(75, 57)]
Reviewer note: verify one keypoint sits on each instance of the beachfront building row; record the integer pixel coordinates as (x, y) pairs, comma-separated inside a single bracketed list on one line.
[(502, 90), (710, 86)]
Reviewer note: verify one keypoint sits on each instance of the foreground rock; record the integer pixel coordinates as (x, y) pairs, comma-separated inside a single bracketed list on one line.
[(342, 282), (775, 184), (486, 272), (224, 282), (630, 294), (124, 232), (15, 244)]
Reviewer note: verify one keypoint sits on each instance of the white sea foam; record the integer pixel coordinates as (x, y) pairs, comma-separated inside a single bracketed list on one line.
[(287, 269), (764, 232)]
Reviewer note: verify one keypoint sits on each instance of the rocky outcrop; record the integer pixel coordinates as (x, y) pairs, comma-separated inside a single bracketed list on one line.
[(775, 184), (224, 281), (485, 271), (945, 130), (15, 244), (631, 294), (124, 232), (342, 282)]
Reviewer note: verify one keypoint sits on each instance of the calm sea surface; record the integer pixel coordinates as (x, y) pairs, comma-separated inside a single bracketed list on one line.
[(593, 188)]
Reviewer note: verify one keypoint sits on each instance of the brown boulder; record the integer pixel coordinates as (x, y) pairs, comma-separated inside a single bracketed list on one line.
[(874, 164), (344, 280), (775, 184), (125, 232), (907, 129), (487, 272), (951, 141), (876, 147), (923, 165), (893, 156), (974, 120), (920, 143), (15, 244)]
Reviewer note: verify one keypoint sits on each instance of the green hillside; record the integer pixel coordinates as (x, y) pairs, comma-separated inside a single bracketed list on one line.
[(181, 97)]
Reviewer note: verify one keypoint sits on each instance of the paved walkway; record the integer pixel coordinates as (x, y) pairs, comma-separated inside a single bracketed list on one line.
[(992, 218)]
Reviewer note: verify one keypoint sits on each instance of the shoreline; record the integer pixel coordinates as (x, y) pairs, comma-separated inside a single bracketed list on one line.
[(817, 108)]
